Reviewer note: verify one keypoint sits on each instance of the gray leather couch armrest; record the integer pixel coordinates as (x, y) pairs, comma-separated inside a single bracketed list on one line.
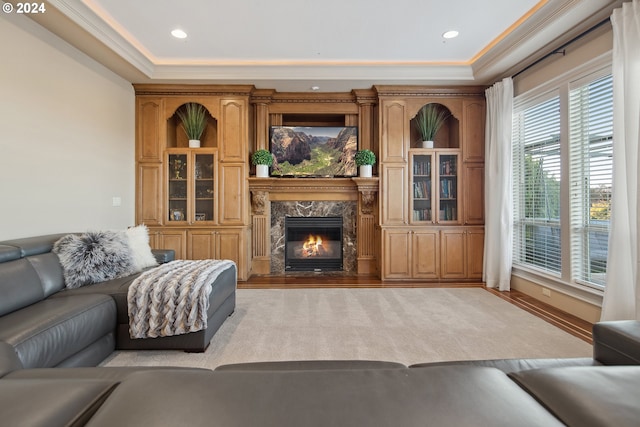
[(515, 365), (9, 360), (617, 342), (164, 255), (592, 396)]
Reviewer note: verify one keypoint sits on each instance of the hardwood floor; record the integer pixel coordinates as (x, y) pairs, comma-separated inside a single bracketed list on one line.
[(565, 321)]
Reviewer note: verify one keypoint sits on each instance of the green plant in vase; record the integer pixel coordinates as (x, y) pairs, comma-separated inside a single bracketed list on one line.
[(194, 121), (365, 159), (428, 121), (262, 159)]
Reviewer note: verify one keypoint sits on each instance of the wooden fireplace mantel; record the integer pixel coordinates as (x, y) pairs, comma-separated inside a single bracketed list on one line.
[(283, 189)]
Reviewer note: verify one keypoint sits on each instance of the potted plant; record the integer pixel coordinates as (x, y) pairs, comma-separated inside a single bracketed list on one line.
[(194, 121), (428, 121), (365, 159), (262, 159)]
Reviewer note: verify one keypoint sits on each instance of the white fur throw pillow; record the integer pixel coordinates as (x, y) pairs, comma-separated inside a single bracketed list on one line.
[(141, 255), (93, 257)]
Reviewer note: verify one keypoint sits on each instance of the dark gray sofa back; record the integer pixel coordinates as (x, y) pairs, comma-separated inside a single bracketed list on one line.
[(29, 271)]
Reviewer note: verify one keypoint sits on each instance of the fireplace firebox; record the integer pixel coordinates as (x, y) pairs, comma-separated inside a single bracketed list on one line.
[(313, 243)]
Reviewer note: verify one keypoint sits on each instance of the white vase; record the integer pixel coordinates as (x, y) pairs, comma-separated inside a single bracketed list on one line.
[(262, 171), (426, 144), (194, 143), (365, 171)]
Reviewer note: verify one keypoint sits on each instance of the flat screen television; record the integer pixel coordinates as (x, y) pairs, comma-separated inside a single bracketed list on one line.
[(314, 151)]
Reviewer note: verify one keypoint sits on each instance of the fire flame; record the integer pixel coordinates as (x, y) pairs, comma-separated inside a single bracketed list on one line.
[(313, 247)]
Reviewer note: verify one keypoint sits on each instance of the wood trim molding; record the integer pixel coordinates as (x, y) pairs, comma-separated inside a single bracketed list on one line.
[(323, 189), (192, 90)]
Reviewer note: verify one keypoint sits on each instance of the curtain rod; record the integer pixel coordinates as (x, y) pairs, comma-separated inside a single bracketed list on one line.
[(562, 49)]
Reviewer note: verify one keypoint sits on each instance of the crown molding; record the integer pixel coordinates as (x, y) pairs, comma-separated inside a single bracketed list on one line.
[(553, 25), (83, 16)]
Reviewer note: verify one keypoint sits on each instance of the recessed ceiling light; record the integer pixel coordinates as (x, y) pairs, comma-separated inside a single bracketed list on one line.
[(179, 34), (450, 34), (315, 88)]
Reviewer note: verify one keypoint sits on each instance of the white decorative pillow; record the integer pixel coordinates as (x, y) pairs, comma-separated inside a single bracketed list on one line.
[(141, 255)]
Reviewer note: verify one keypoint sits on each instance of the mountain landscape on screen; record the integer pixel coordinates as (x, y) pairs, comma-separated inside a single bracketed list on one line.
[(314, 151)]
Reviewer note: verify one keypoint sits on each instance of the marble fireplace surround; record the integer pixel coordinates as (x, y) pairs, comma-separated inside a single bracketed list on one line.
[(346, 210), (353, 199)]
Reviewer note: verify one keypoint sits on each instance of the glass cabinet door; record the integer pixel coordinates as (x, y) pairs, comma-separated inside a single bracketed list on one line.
[(448, 187), (422, 197), (204, 187), (178, 188)]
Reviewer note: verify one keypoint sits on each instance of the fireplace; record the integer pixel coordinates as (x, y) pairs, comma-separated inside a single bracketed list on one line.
[(313, 243)]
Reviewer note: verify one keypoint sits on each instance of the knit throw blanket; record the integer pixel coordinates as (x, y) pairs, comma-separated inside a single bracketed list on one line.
[(173, 298)]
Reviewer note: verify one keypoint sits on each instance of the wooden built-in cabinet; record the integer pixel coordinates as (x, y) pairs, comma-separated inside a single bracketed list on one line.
[(431, 200), (190, 186), (421, 217), (169, 238), (194, 200), (219, 243), (411, 253), (433, 253), (435, 186), (462, 252)]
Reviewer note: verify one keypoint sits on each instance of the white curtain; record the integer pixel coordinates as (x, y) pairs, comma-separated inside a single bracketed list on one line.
[(498, 249), (621, 296)]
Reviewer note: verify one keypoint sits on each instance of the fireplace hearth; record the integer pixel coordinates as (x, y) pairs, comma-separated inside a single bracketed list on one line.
[(313, 244)]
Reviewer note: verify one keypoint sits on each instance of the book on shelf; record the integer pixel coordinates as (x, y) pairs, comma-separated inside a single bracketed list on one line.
[(422, 168), (422, 190)]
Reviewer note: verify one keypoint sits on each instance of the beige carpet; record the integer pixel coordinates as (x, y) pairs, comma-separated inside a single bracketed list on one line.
[(402, 325)]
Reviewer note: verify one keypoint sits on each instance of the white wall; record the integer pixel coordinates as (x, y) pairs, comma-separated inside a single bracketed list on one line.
[(66, 136)]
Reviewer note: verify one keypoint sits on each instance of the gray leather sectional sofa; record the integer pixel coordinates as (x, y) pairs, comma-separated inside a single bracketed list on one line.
[(51, 326), (603, 391), (51, 339)]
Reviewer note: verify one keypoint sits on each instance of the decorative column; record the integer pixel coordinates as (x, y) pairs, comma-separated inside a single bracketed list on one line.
[(260, 236), (368, 236)]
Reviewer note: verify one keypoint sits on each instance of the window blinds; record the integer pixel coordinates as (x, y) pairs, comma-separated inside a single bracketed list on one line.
[(591, 151), (536, 168)]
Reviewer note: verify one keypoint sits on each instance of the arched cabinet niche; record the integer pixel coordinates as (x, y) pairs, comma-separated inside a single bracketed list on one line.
[(434, 230), (448, 136), (194, 199), (176, 137)]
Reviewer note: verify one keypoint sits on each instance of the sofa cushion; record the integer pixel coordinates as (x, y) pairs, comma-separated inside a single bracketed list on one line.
[(19, 285), (51, 402), (94, 257), (442, 396), (34, 245), (9, 253), (587, 396), (46, 333), (309, 365), (116, 288), (49, 270), (109, 373)]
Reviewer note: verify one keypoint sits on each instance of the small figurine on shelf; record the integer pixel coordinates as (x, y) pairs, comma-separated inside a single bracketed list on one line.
[(177, 168), (177, 215)]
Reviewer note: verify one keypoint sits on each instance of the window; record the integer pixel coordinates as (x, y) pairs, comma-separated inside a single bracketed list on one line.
[(537, 176), (591, 151), (562, 166)]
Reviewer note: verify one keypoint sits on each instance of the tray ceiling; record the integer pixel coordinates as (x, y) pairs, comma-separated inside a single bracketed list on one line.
[(335, 45)]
